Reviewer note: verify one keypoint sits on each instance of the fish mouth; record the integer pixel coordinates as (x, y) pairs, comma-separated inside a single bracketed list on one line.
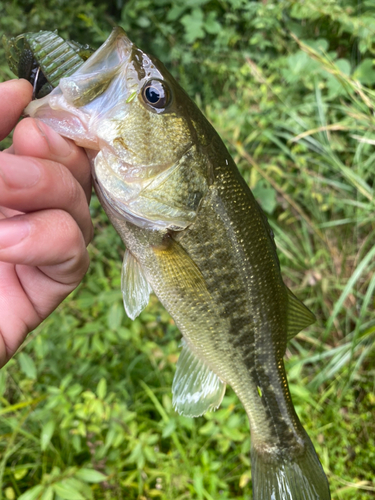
[(69, 107)]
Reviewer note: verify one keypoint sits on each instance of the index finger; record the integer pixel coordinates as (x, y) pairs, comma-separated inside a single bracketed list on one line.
[(15, 95)]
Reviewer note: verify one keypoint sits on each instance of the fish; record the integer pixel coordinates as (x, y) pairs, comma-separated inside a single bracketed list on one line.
[(195, 236)]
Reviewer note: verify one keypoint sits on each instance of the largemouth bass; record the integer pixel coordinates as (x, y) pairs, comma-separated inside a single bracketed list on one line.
[(195, 235)]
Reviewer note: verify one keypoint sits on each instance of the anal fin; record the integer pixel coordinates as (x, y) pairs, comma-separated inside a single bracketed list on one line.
[(134, 286), (196, 389)]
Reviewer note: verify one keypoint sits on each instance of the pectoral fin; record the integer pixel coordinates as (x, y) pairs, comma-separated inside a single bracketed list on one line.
[(196, 389), (182, 274), (134, 286), (299, 316)]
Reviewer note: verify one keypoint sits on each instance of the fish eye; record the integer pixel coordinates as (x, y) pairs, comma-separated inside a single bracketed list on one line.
[(156, 94)]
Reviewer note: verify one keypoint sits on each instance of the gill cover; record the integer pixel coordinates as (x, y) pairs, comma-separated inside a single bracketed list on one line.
[(123, 106)]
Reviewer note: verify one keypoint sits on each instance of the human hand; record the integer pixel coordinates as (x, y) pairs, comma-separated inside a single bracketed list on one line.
[(45, 224)]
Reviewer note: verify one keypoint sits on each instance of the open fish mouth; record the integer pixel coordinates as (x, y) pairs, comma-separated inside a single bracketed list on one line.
[(69, 107)]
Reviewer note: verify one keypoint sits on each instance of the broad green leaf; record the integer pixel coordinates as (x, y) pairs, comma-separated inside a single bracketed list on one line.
[(234, 434), (193, 25), (320, 44), (10, 493), (176, 11), (211, 25), (136, 453), (110, 437), (76, 443), (66, 381), (365, 72), (27, 365), (97, 344), (266, 197), (143, 21), (198, 482), (46, 434), (343, 65), (208, 428), (48, 494), (90, 476), (20, 473), (115, 315), (32, 493), (101, 390), (169, 428), (67, 492)]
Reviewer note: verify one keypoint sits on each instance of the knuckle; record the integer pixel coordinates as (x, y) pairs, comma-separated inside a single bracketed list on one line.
[(76, 156), (77, 267)]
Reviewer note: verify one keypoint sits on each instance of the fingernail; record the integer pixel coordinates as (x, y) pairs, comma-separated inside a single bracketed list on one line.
[(13, 232), (18, 172), (57, 144)]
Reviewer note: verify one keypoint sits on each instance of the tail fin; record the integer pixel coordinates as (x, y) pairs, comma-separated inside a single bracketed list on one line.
[(303, 479)]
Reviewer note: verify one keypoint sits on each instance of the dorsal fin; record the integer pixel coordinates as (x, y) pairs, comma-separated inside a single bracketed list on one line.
[(134, 286), (299, 316), (196, 389)]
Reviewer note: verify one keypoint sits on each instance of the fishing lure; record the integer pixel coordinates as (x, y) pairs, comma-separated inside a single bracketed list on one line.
[(43, 58)]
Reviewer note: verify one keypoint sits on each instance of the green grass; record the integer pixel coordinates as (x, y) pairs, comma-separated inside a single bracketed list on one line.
[(85, 405)]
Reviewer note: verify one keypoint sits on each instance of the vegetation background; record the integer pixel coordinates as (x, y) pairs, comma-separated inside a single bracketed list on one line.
[(85, 405)]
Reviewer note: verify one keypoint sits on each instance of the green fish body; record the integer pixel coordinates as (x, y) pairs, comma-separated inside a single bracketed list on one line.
[(195, 235)]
